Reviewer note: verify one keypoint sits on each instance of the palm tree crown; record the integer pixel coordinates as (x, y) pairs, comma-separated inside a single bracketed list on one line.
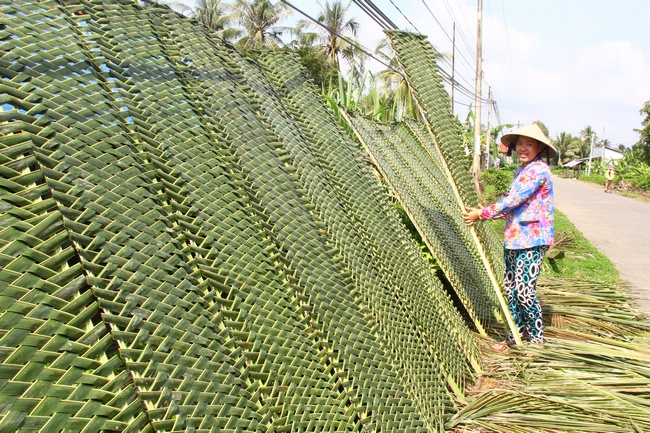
[(259, 18), (333, 18)]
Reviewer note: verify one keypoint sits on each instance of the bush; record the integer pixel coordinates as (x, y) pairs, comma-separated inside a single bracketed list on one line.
[(495, 183), (595, 178), (642, 182)]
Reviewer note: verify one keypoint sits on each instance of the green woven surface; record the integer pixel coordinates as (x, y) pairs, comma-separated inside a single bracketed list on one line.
[(190, 243), (418, 61), (425, 193), (394, 291)]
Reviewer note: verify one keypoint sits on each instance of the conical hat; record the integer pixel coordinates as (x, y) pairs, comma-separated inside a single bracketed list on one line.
[(532, 131)]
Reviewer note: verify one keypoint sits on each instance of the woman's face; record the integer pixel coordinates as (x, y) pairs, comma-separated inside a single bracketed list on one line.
[(527, 149)]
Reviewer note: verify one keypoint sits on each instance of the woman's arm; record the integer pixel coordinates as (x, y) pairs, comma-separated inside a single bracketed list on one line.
[(522, 189)]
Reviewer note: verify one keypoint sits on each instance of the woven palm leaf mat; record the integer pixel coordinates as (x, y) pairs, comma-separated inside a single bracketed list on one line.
[(190, 242), (426, 194)]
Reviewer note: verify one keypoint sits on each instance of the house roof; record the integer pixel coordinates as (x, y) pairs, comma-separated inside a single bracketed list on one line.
[(575, 162)]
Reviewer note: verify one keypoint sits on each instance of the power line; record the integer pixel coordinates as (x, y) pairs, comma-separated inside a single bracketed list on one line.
[(405, 17), (345, 38), (383, 22), (445, 75), (376, 14), (469, 63), (444, 60)]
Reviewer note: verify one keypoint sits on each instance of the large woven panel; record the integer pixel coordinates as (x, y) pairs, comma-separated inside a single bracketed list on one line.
[(424, 191), (183, 251), (417, 60), (395, 306)]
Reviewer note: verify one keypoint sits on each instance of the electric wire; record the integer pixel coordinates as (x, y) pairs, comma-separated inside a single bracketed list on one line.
[(445, 75), (376, 14), (463, 37), (441, 59), (405, 17), (470, 65), (365, 50)]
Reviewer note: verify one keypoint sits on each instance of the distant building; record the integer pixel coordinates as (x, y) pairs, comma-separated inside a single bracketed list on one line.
[(606, 154)]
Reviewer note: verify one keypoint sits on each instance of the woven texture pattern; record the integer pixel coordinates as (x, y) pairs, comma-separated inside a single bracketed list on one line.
[(190, 243), (443, 145), (417, 58), (418, 179)]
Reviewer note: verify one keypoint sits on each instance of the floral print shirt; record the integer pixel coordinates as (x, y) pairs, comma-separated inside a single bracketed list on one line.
[(528, 208)]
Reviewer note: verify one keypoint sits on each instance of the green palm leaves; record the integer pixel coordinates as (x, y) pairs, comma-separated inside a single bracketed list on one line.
[(419, 180), (445, 161), (189, 242)]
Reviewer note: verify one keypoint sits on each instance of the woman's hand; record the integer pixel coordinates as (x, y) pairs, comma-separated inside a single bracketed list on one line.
[(471, 215)]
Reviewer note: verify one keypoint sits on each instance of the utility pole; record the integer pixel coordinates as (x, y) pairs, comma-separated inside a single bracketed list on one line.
[(476, 161), (591, 151), (487, 137), (453, 69)]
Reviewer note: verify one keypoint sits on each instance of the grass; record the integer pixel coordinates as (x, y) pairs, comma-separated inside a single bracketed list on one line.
[(573, 256)]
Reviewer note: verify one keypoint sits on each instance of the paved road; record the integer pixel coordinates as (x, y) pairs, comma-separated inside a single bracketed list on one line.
[(618, 226)]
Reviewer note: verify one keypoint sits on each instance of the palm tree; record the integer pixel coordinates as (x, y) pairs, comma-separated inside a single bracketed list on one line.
[(333, 17), (588, 134), (562, 143), (259, 19), (215, 15), (579, 148), (394, 85)]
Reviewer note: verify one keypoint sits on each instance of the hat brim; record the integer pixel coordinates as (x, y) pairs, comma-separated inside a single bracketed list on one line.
[(534, 132)]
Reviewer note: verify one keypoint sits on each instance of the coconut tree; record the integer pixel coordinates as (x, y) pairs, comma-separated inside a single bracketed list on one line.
[(216, 15), (259, 20), (562, 143), (393, 85), (578, 148), (334, 18), (588, 134)]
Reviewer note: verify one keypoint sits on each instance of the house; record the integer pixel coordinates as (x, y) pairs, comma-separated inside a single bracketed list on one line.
[(605, 154)]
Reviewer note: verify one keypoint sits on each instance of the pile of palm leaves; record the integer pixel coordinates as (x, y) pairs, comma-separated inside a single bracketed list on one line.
[(593, 374)]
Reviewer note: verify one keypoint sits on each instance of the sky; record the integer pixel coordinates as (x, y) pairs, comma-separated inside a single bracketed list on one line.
[(567, 63)]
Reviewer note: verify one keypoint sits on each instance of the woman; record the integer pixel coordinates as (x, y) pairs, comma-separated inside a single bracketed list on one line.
[(609, 177), (529, 212)]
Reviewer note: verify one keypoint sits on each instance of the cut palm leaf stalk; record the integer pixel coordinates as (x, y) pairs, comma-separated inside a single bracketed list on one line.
[(416, 57), (596, 301), (591, 382)]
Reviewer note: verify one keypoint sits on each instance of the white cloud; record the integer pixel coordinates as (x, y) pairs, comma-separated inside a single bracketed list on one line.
[(568, 87)]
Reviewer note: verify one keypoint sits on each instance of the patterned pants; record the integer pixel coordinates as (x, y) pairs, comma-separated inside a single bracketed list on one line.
[(522, 267)]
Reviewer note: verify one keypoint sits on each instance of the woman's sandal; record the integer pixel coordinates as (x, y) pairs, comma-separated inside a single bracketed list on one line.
[(501, 347)]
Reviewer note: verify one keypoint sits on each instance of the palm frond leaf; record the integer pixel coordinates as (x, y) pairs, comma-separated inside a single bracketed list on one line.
[(424, 191), (417, 59)]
